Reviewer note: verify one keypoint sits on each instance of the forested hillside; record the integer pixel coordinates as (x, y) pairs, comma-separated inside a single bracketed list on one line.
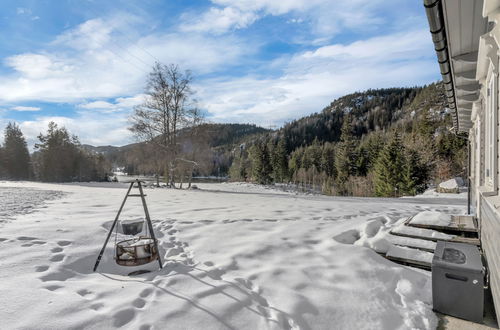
[(209, 145), (371, 110), (386, 142)]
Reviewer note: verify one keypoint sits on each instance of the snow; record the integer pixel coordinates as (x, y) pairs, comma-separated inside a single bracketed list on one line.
[(121, 173), (141, 241), (412, 242), (236, 256), (347, 110), (250, 188), (31, 199), (432, 193), (431, 218), (450, 184), (406, 230), (409, 253)]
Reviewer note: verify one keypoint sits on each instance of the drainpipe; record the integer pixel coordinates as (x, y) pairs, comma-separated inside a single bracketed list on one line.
[(435, 16)]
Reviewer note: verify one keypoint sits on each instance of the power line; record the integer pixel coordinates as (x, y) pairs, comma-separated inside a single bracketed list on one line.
[(130, 40), (125, 60)]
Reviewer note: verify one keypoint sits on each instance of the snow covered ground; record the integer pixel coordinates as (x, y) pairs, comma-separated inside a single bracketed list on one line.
[(236, 256)]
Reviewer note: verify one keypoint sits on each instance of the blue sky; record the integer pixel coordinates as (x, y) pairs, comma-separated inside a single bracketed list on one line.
[(84, 63)]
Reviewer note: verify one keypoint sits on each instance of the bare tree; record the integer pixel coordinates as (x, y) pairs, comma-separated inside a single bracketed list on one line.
[(196, 154), (167, 108)]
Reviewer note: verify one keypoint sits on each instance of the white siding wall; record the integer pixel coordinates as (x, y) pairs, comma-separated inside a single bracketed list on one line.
[(486, 148)]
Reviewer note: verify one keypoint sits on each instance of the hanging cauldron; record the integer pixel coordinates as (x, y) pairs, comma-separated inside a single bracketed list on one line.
[(136, 251), (132, 227)]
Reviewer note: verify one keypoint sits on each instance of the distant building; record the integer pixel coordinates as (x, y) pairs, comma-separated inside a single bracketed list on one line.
[(466, 36)]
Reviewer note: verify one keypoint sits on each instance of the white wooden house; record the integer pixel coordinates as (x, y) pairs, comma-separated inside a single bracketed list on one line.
[(466, 36)]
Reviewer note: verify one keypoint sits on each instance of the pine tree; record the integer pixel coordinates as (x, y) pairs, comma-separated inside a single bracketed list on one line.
[(345, 158), (295, 163), (425, 126), (314, 153), (261, 163), (16, 155), (234, 170), (279, 162), (389, 169), (328, 160), (238, 170), (3, 173), (58, 157), (416, 174)]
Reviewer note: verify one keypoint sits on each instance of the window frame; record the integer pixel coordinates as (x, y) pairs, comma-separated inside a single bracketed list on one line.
[(491, 131)]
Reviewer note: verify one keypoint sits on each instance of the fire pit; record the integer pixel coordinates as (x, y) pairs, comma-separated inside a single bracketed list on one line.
[(136, 251)]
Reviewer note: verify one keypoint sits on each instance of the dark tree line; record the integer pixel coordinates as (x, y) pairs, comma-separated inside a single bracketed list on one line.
[(58, 157)]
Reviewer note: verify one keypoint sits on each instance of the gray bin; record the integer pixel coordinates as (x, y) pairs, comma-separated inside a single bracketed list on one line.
[(457, 281)]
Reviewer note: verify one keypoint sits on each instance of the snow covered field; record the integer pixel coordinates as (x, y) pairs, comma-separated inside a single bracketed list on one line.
[(236, 256)]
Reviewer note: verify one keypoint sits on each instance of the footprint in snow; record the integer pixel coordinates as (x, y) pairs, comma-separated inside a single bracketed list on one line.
[(53, 287), (84, 292), (139, 303), (123, 317), (57, 257), (146, 292), (26, 238), (64, 243), (31, 243), (97, 306), (40, 269)]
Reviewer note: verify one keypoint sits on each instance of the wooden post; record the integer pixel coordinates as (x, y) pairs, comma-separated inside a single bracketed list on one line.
[(112, 227), (148, 219)]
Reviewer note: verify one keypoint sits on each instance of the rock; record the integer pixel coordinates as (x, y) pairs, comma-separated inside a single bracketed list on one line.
[(450, 186), (460, 181)]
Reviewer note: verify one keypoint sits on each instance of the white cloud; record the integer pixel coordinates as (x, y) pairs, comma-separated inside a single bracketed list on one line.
[(98, 105), (326, 18), (22, 11), (91, 62), (35, 66), (403, 45), (218, 21), (120, 104), (27, 12), (270, 6), (92, 34), (101, 122), (312, 80), (201, 54), (129, 102), (103, 71), (111, 128), (23, 108)]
